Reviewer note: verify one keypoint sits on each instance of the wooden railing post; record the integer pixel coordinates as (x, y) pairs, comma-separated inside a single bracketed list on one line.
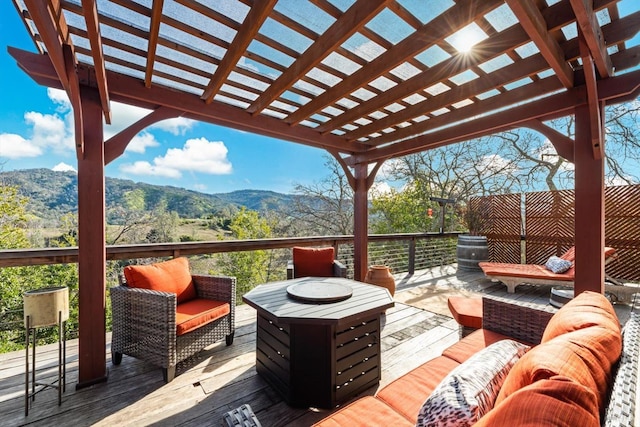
[(412, 256)]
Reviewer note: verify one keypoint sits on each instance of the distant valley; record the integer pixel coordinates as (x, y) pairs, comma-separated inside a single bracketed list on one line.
[(52, 194)]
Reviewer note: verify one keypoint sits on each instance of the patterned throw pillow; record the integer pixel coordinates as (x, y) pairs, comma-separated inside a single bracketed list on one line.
[(558, 265), (470, 390)]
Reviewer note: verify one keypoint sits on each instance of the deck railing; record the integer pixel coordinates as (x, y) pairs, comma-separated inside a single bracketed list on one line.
[(401, 252)]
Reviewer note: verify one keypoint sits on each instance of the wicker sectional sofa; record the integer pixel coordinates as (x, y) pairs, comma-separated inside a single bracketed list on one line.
[(581, 370)]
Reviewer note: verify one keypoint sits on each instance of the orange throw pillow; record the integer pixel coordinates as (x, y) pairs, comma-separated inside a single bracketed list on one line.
[(169, 276), (316, 262)]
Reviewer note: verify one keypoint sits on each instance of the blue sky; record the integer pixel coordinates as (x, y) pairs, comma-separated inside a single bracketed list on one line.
[(36, 132)]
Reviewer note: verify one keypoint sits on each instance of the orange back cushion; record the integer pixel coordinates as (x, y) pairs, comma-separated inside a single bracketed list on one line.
[(585, 310), (169, 276), (316, 262), (556, 401)]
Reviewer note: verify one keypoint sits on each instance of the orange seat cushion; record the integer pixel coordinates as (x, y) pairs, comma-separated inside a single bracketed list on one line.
[(525, 271), (316, 262), (407, 393), (169, 276), (365, 412), (466, 311), (471, 344), (556, 401), (198, 312)]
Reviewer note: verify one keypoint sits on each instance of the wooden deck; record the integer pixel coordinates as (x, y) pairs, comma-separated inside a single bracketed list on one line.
[(222, 378)]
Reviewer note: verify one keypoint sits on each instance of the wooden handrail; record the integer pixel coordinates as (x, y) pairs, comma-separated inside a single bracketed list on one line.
[(44, 256)]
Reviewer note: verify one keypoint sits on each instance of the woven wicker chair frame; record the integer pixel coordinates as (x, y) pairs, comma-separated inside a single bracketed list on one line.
[(144, 323)]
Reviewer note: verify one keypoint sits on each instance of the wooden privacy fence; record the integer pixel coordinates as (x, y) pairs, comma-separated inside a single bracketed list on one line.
[(531, 227)]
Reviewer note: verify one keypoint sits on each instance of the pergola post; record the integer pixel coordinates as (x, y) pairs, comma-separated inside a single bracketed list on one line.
[(360, 222), (589, 207), (91, 244)]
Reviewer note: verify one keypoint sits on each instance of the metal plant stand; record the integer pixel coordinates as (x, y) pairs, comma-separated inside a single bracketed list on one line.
[(45, 307)]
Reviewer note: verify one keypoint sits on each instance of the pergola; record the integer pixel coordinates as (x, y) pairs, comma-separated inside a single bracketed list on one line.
[(366, 80)]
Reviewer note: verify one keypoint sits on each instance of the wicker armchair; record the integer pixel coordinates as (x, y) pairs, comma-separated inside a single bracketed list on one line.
[(144, 323)]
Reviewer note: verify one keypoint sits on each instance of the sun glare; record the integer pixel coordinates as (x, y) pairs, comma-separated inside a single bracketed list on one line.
[(467, 37)]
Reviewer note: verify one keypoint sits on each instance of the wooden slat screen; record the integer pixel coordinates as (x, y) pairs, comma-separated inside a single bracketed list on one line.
[(622, 231), (549, 227), (502, 227)]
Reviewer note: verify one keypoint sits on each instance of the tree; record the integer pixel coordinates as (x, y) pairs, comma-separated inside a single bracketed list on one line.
[(514, 161), (131, 218), (325, 207), (16, 280), (248, 267)]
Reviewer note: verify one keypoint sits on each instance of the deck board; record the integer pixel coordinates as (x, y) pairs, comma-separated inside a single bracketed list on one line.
[(221, 378)]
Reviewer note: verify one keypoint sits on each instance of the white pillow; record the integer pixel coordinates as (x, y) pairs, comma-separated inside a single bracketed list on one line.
[(558, 265), (470, 390)]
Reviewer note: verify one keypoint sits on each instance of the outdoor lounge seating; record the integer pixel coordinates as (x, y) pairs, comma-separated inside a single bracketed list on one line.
[(316, 262), (580, 370), (513, 275), (164, 314)]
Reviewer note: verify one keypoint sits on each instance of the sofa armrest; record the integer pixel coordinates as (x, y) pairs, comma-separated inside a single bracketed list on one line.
[(219, 288), (621, 408), (523, 321), (142, 315), (339, 269)]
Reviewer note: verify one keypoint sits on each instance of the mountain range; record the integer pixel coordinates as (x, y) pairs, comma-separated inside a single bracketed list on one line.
[(52, 194)]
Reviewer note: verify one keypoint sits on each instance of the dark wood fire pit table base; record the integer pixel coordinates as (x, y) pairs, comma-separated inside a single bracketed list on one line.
[(318, 354)]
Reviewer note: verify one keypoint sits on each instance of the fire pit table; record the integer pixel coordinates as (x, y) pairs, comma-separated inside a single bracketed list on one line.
[(318, 338)]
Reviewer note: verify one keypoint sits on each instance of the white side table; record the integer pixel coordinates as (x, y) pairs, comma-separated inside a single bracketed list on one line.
[(45, 307)]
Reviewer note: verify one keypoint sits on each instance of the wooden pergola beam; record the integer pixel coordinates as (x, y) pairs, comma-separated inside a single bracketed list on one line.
[(498, 78), (247, 31), (154, 34), (45, 20), (534, 24), (593, 104), (93, 31), (563, 103), (483, 51), (421, 40), (129, 90), (75, 98), (588, 25), (344, 27), (563, 144)]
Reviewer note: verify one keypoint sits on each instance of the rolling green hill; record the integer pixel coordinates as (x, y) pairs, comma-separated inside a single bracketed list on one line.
[(52, 194)]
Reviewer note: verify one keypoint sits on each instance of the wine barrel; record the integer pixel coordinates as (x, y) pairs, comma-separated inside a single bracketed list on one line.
[(471, 250)]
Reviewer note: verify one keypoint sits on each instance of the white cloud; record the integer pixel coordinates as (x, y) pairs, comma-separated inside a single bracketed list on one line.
[(496, 163), (50, 131), (123, 115), (63, 167), (176, 126), (199, 187), (146, 168), (197, 155), (14, 146), (140, 142), (59, 97), (379, 189)]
